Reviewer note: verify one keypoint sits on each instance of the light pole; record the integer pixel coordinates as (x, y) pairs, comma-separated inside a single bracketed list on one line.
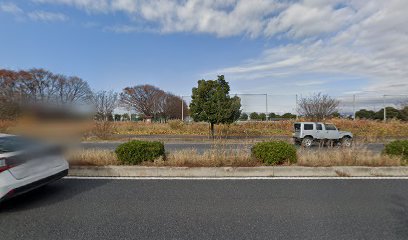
[(354, 106), (266, 105), (296, 107), (182, 106), (385, 110)]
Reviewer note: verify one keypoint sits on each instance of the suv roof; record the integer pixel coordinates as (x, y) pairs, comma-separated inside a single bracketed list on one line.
[(312, 123), (307, 122)]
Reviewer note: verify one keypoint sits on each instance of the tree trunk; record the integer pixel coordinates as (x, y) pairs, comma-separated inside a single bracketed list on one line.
[(212, 130)]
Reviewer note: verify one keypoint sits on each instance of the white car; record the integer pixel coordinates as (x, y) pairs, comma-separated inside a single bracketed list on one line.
[(26, 164), (306, 133)]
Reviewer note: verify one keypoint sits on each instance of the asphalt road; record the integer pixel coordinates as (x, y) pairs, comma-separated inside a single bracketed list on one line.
[(210, 209), (202, 147)]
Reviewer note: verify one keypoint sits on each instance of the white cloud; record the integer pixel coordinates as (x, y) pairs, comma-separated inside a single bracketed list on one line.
[(122, 28), (222, 18), (309, 19), (11, 8), (371, 44), (354, 39), (47, 16), (88, 5)]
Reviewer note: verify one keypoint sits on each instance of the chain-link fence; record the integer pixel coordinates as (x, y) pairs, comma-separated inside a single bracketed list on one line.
[(349, 104), (263, 103)]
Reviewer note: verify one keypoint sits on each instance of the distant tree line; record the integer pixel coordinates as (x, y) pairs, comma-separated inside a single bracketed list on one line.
[(39, 87), (210, 100), (263, 116), (391, 113)]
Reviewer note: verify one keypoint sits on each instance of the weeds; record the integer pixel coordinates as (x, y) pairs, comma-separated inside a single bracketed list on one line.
[(365, 130), (222, 156), (210, 158), (93, 157), (103, 129), (355, 156)]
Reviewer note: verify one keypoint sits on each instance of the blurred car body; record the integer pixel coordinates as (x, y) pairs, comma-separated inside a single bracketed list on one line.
[(26, 164)]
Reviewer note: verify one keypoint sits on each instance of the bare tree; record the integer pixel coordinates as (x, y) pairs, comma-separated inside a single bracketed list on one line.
[(317, 107), (104, 102), (9, 93), (172, 107), (41, 86), (144, 99), (72, 90)]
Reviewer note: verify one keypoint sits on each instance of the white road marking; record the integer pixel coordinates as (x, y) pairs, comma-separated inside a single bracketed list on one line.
[(237, 178)]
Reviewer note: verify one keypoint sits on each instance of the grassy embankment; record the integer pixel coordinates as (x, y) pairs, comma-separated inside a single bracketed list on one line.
[(364, 129), (223, 156)]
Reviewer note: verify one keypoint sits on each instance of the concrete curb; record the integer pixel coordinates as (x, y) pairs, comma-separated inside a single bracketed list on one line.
[(273, 171)]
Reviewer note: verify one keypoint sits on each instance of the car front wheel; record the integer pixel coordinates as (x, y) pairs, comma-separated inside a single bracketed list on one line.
[(307, 142), (346, 142)]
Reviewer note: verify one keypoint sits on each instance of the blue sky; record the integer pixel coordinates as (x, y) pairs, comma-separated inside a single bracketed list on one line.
[(281, 48)]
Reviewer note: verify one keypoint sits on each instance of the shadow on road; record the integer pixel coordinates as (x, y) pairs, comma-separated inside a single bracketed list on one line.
[(47, 195)]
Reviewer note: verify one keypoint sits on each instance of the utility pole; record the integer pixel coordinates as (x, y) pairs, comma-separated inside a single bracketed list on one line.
[(296, 108), (266, 105), (385, 111), (354, 106)]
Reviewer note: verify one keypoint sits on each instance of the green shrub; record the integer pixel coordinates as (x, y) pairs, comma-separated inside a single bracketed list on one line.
[(135, 152), (276, 152), (397, 148)]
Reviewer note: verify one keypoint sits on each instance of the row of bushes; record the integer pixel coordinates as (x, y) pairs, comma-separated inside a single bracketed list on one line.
[(269, 153)]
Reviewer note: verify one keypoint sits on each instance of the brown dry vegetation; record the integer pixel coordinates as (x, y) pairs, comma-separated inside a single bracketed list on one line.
[(6, 125), (222, 156), (211, 158), (364, 129), (354, 156), (92, 157)]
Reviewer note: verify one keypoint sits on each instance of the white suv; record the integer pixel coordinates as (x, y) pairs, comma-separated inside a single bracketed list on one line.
[(306, 133), (26, 164)]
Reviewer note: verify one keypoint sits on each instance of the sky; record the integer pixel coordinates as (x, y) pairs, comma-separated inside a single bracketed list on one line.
[(278, 47)]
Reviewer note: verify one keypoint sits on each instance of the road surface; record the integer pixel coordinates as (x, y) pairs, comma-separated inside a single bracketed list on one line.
[(210, 209), (202, 147)]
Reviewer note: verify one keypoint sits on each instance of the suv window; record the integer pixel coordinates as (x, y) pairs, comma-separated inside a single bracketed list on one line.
[(319, 127), (297, 127), (308, 126), (330, 127)]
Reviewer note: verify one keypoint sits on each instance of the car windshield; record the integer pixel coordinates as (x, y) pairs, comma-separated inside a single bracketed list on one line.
[(15, 143), (297, 127)]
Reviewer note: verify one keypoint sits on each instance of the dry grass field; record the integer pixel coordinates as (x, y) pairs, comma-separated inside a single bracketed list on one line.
[(366, 129), (92, 157), (222, 156)]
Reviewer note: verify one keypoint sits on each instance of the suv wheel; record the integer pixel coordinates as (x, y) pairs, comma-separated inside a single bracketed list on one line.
[(346, 142), (307, 142)]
